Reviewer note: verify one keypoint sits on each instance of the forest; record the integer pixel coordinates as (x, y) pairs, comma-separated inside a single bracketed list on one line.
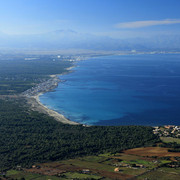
[(18, 74), (28, 137)]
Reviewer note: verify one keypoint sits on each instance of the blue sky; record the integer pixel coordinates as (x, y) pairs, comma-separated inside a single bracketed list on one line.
[(115, 18)]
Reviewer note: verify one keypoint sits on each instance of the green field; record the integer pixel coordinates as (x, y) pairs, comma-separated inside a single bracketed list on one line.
[(19, 175), (170, 140), (89, 164), (162, 174), (28, 176), (70, 175)]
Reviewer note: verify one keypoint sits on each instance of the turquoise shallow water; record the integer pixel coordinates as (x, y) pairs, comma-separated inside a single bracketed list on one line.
[(120, 90)]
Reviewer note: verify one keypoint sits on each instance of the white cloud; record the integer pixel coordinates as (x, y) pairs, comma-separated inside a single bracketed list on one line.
[(139, 24)]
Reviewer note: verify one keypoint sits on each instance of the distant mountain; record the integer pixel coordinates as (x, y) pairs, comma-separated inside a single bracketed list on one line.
[(67, 39)]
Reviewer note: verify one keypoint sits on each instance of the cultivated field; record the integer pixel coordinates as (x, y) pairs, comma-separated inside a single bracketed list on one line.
[(170, 140), (139, 163), (152, 151)]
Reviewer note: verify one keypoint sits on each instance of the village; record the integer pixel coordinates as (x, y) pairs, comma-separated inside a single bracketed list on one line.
[(167, 131), (45, 86), (48, 85)]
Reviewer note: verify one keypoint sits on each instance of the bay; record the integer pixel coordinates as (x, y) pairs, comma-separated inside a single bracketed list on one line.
[(120, 90)]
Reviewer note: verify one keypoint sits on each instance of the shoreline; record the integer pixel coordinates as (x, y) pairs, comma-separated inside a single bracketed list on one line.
[(36, 105), (32, 97)]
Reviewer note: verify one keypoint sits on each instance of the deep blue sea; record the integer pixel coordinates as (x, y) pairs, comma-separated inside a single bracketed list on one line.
[(120, 90)]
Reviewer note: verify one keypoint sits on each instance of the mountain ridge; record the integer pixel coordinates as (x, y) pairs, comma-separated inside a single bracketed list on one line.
[(67, 39)]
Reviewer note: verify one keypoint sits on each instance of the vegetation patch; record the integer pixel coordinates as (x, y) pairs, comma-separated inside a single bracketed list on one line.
[(161, 174), (17, 74), (71, 175), (170, 140)]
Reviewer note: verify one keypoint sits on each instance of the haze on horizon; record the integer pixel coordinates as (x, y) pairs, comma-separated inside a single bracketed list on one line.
[(98, 24)]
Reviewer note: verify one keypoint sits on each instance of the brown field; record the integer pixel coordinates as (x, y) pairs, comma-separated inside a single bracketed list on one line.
[(152, 151), (55, 168)]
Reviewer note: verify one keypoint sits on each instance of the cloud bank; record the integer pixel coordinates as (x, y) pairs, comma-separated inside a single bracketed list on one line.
[(140, 24)]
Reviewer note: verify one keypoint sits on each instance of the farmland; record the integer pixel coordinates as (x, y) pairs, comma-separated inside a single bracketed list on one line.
[(138, 163), (170, 139), (152, 151)]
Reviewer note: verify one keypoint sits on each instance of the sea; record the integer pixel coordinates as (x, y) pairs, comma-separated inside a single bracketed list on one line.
[(118, 90)]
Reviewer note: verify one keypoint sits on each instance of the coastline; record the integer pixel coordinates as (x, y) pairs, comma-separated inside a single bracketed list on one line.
[(32, 98), (36, 105)]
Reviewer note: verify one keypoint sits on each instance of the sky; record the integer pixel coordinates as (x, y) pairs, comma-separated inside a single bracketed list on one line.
[(114, 18)]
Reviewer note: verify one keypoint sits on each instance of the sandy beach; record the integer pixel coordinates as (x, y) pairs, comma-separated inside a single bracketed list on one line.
[(32, 97), (36, 105)]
